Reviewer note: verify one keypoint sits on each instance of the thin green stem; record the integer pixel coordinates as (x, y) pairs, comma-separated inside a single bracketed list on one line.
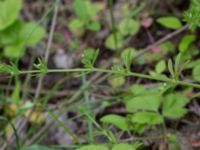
[(145, 76), (87, 101), (114, 29)]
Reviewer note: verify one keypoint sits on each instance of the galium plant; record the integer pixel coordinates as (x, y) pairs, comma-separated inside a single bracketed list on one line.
[(147, 107)]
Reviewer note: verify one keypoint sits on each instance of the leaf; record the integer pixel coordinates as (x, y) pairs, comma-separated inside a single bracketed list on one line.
[(93, 147), (160, 67), (15, 50), (170, 68), (196, 72), (75, 24), (93, 8), (41, 65), (144, 102), (170, 22), (116, 81), (150, 118), (127, 57), (129, 27), (137, 89), (10, 35), (173, 105), (186, 42), (31, 33), (124, 146), (177, 62), (112, 44), (94, 26), (17, 91), (116, 120), (118, 68), (89, 57), (192, 16), (37, 147), (9, 11), (17, 36), (81, 10)]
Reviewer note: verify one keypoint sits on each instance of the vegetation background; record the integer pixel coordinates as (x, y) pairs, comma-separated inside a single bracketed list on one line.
[(99, 75)]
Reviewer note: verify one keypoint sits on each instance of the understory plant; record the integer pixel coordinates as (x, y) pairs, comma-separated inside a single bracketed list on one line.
[(145, 108)]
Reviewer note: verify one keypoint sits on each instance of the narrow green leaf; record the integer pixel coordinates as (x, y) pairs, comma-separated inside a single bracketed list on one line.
[(170, 22), (127, 57), (186, 42), (196, 72), (160, 66), (170, 68), (89, 57)]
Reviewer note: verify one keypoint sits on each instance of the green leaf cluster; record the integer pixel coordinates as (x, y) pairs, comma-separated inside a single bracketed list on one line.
[(89, 57), (192, 15), (15, 34), (86, 16)]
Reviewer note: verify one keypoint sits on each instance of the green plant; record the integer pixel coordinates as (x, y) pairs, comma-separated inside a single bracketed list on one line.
[(15, 34), (86, 16), (146, 106)]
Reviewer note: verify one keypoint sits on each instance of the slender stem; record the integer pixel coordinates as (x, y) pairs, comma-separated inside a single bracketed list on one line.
[(114, 29), (145, 76)]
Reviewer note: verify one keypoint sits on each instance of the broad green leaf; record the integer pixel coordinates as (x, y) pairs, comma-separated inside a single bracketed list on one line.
[(81, 10), (150, 118), (186, 42), (14, 51), (18, 35), (93, 147), (116, 81), (137, 89), (37, 147), (196, 72), (127, 57), (174, 105), (129, 27), (124, 146), (144, 102), (9, 11), (94, 26), (170, 22), (75, 24), (93, 8), (114, 42), (116, 120), (31, 33), (160, 66), (10, 35)]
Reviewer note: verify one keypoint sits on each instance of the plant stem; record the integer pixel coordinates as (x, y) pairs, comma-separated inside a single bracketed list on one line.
[(172, 81)]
